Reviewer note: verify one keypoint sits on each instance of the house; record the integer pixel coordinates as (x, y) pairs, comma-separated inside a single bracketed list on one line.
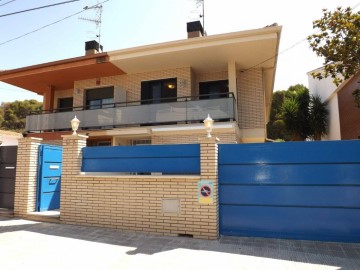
[(9, 137), (344, 116), (158, 93)]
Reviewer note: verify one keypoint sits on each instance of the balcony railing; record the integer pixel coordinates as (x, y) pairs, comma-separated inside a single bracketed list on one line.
[(168, 111)]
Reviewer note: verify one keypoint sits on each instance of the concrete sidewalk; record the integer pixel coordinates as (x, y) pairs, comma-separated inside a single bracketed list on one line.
[(37, 245)]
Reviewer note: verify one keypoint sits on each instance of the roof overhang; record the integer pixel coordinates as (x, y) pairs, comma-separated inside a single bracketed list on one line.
[(60, 75), (252, 48)]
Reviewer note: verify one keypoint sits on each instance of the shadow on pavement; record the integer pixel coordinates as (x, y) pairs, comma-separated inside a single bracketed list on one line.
[(341, 255)]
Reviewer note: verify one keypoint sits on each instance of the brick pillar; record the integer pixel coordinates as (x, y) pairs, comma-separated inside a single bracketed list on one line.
[(71, 166), (209, 171), (26, 176)]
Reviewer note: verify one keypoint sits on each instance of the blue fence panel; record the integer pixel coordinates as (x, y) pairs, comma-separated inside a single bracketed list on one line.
[(302, 190), (167, 159)]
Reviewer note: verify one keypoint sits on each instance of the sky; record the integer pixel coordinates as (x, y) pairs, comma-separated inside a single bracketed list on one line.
[(131, 23)]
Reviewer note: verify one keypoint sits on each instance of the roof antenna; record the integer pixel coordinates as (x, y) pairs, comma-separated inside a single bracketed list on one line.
[(97, 20), (202, 14)]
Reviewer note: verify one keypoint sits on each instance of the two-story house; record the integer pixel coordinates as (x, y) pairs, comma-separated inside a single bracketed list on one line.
[(158, 93)]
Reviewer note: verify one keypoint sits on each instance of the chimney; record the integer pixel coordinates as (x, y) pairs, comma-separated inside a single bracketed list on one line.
[(195, 29), (92, 47)]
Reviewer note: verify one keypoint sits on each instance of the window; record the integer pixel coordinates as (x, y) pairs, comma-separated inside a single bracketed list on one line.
[(65, 104), (214, 89), (140, 141), (100, 98), (154, 91)]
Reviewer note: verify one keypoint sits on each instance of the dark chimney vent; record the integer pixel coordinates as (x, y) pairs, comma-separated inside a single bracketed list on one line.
[(92, 47), (195, 29)]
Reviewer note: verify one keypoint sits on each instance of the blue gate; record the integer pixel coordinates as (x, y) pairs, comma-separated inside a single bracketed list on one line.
[(298, 190), (49, 177)]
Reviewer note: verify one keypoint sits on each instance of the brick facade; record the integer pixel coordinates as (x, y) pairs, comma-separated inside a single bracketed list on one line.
[(62, 94), (131, 83), (349, 114), (192, 138), (250, 96), (251, 102)]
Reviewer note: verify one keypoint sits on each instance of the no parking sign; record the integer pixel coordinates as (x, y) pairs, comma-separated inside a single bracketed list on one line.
[(206, 191)]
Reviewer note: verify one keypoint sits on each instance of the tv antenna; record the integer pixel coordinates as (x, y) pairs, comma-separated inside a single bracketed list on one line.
[(201, 3), (97, 20), (200, 13)]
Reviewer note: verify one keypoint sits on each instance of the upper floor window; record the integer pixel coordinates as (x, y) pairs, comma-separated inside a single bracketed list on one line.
[(213, 89), (65, 104), (158, 91), (100, 98)]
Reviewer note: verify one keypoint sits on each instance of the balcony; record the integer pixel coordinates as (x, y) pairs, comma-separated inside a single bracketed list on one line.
[(114, 115)]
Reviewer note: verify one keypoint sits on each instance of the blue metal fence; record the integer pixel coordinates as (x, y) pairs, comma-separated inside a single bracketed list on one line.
[(166, 159), (304, 190)]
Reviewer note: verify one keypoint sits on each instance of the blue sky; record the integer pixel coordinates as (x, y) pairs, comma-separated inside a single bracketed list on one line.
[(139, 22)]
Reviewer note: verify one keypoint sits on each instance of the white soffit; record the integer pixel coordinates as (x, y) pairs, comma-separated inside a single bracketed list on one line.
[(247, 48)]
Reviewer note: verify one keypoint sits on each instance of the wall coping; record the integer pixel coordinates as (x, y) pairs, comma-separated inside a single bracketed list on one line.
[(74, 137), (127, 176)]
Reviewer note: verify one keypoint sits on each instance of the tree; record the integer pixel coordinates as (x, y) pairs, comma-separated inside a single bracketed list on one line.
[(276, 126), (296, 112), (290, 110), (14, 113), (338, 41), (296, 115), (318, 117)]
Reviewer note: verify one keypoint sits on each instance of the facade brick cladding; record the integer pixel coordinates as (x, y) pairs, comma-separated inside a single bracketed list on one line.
[(250, 91), (349, 114), (184, 138)]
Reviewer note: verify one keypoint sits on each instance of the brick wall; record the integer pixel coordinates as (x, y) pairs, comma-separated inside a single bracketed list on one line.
[(194, 138), (251, 99), (250, 94), (61, 94), (132, 83), (349, 114), (26, 176), (209, 76), (136, 202)]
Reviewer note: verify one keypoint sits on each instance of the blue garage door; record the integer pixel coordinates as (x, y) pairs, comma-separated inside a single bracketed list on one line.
[(49, 177), (299, 190)]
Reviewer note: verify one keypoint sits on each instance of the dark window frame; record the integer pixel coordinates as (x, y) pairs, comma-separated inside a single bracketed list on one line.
[(99, 97), (213, 89), (66, 108), (158, 91)]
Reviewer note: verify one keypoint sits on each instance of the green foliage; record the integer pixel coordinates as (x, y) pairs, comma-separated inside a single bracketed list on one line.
[(276, 126), (296, 116), (338, 41), (13, 114), (318, 117), (290, 110)]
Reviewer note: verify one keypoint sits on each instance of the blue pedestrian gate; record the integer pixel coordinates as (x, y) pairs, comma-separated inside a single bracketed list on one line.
[(298, 190), (49, 177)]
